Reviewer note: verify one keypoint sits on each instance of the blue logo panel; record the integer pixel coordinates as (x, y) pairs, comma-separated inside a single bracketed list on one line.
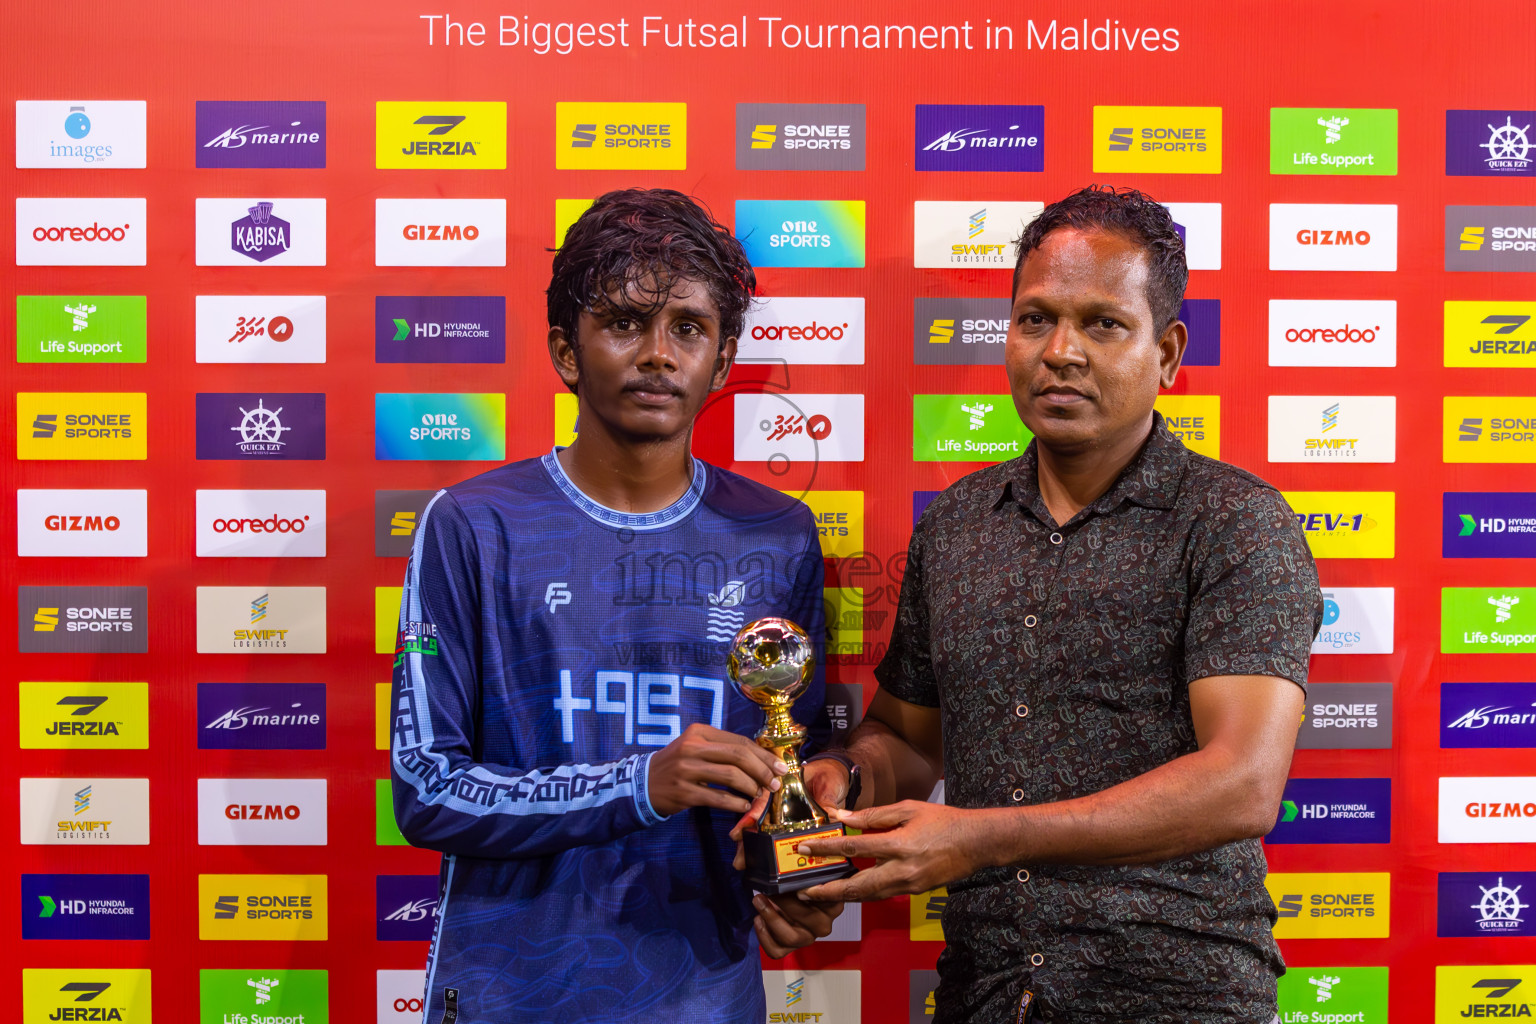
[(1486, 903), (1334, 811), (1484, 524), (1203, 318), (802, 232), (440, 426), (1482, 715), (406, 907), (261, 716), (978, 137), (440, 329), (85, 906)]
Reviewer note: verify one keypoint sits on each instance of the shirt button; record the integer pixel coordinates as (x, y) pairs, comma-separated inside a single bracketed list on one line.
[(1023, 875), (1055, 538), (1022, 710), (1030, 621), (1018, 795), (1037, 959)]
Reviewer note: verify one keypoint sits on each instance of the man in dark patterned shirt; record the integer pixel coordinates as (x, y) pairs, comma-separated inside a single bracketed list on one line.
[(1103, 645)]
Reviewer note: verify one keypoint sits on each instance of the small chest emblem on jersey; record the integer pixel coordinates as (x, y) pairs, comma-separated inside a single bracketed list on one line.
[(556, 594), (725, 620)]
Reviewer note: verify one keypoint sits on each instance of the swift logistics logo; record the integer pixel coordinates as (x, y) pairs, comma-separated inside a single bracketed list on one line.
[(1195, 420), (1480, 620), (66, 620), (1356, 620), (979, 137), (465, 427), (1484, 991), (261, 328), (801, 232), (1488, 810), (261, 716), (1332, 236), (1490, 143), (261, 133), (1346, 995), (440, 329), (1490, 238), (823, 331), (1485, 524), (1162, 140), (243, 427), (84, 716), (1331, 905), (1487, 715), (1477, 903), (261, 232), (85, 993), (800, 136), (81, 329), (281, 908), (1346, 716), (261, 620), (260, 524), (81, 425), (261, 812), (94, 134), (798, 428), (1495, 334), (110, 907), (1332, 332), (812, 997), (621, 136), (81, 232), (960, 331), (1347, 524), (396, 514), (451, 135), (84, 812), (968, 233), (1334, 811), (440, 232), (1324, 428), (1332, 140), (1489, 429), (405, 907), (966, 428), (82, 523), (263, 997)]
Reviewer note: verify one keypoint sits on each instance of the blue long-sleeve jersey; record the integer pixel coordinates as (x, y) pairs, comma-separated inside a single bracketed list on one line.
[(548, 647)]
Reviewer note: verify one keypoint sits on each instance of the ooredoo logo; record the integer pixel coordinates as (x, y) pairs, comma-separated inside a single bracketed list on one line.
[(1321, 236), (440, 232), (399, 996), (80, 232), (804, 330), (1332, 332), (261, 524), (261, 812), (82, 523)]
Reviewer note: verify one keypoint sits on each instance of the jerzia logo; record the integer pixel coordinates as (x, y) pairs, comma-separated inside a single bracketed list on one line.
[(444, 136), (1490, 333)]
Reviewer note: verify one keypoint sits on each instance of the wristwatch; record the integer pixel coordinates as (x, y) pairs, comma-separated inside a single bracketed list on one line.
[(855, 776)]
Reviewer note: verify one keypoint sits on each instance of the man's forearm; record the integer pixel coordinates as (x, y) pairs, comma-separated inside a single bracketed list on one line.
[(893, 769)]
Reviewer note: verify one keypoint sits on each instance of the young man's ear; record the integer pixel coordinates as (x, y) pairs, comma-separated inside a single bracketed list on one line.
[(562, 354)]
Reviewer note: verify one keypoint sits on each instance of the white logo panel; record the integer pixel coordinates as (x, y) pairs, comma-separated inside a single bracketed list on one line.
[(799, 428), (440, 233), (82, 524), (804, 330), (85, 812), (261, 620), (1332, 332), (1356, 620), (1488, 810), (1202, 233), (968, 233), (94, 134), (400, 996), (261, 524), (814, 997), (1332, 236), (261, 812), (1332, 428), (81, 232), (261, 232), (261, 328)]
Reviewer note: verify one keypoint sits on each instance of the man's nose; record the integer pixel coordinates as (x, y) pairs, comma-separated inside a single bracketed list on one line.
[(1064, 347), (658, 349)]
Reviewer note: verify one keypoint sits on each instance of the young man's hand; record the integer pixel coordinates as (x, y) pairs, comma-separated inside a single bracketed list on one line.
[(686, 772)]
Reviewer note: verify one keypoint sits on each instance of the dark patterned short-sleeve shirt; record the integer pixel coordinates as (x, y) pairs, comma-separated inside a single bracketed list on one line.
[(1060, 656)]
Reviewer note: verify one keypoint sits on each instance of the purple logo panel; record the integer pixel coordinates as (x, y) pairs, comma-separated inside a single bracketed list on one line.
[(440, 329), (288, 133), (260, 426)]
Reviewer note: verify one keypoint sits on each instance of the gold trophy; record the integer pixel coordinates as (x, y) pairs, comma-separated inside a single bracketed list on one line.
[(771, 662)]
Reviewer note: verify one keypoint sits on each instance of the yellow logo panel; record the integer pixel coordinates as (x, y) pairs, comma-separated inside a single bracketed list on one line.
[(88, 716), (566, 409), (568, 212), (1490, 334), (386, 618), (1479, 429), (445, 136), (381, 716), (1160, 140), (628, 136), (284, 908), (840, 518), (846, 617), (79, 425), (925, 915), (1195, 420), (1347, 524), (50, 995), (1332, 905), (1495, 991)]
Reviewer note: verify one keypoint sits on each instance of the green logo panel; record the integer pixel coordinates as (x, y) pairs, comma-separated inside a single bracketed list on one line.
[(1332, 995), (1332, 140), (966, 428), (1488, 620), (81, 328), (385, 831), (246, 997)]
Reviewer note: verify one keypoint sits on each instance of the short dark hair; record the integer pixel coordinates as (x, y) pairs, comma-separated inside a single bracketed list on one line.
[(632, 244), (1131, 214)]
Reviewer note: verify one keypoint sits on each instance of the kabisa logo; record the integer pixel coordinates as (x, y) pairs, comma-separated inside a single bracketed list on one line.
[(802, 232), (804, 330), (1501, 991), (82, 523), (441, 135), (85, 994), (262, 231), (71, 812), (274, 907), (1320, 236), (1331, 905), (1490, 334), (1347, 716), (260, 426), (1496, 238), (439, 329), (966, 428), (261, 812), (440, 426), (76, 906), (275, 133), (1347, 524), (1477, 619), (967, 234), (1489, 525), (81, 232), (1488, 810), (1334, 811), (269, 620), (976, 137), (261, 524), (630, 136), (261, 716), (1491, 143), (1483, 903), (959, 332), (261, 329), (86, 134), (90, 716), (75, 619), (81, 329), (1489, 429), (1168, 140), (1356, 620), (405, 907), (259, 234), (1488, 715), (1305, 140), (800, 136)]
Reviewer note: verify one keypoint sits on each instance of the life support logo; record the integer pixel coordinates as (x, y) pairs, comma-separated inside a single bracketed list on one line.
[(1167, 140), (626, 136), (81, 232)]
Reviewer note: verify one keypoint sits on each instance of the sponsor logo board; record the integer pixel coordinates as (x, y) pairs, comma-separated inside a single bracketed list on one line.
[(1203, 319), (439, 426), (1333, 995), (1334, 811), (261, 524), (284, 908), (839, 518), (92, 134), (801, 232), (621, 136), (1490, 238), (82, 523), (1331, 905), (260, 232), (1488, 525), (1492, 991), (804, 330), (1490, 143), (386, 832), (81, 425), (261, 812), (266, 996), (1488, 809), (66, 620), (1487, 715), (1489, 429), (921, 986), (261, 716), (1194, 420), (261, 620), (1346, 716), (1332, 332), (1482, 620), (81, 328), (440, 233), (1162, 140), (792, 428), (261, 328), (440, 329), (800, 136), (84, 812), (803, 997), (84, 993), (1199, 224), (1474, 903), (381, 716), (84, 716), (925, 915), (1347, 524), (1332, 428), (399, 996), (959, 332), (405, 907), (966, 428), (1332, 236), (264, 426), (81, 232), (979, 137), (388, 638), (396, 514), (85, 907), (1332, 140), (449, 135), (1490, 333), (1356, 620), (260, 133), (967, 233)]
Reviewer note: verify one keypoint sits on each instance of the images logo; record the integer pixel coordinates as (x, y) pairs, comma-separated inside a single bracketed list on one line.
[(267, 620), (61, 620), (800, 136), (1194, 420), (1304, 140), (1490, 238), (440, 329), (1354, 994), (261, 232), (1331, 905), (1489, 143), (396, 514), (259, 997), (1487, 715), (1489, 429), (280, 133), (71, 994), (405, 907), (1321, 236), (967, 234), (959, 332), (1488, 810), (261, 812), (80, 232), (84, 906), (1334, 811), (261, 328), (84, 716), (451, 135), (804, 330), (1490, 334), (82, 524), (71, 812), (261, 716), (260, 524), (1167, 140), (1317, 428), (979, 138), (796, 428), (1347, 716), (1347, 524), (621, 136), (439, 426), (1356, 620), (966, 428), (94, 134), (284, 908), (80, 329), (802, 232), (440, 232), (261, 426)]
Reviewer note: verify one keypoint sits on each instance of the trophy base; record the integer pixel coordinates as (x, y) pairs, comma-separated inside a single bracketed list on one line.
[(774, 866)]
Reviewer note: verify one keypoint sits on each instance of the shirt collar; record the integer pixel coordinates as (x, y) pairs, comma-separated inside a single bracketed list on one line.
[(1151, 479)]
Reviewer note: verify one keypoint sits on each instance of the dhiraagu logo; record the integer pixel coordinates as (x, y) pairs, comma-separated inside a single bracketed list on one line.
[(1333, 995), (246, 997), (802, 232), (1347, 524), (1488, 620), (966, 428), (439, 426), (80, 328)]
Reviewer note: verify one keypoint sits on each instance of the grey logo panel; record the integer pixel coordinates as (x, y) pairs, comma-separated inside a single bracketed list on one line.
[(396, 515), (1347, 716), (58, 620), (959, 332), (845, 708), (1498, 238), (800, 136)]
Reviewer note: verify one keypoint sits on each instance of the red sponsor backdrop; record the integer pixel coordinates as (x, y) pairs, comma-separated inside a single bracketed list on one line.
[(1418, 59)]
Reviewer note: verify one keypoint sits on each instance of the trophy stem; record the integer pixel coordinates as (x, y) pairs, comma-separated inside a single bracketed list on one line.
[(792, 806)]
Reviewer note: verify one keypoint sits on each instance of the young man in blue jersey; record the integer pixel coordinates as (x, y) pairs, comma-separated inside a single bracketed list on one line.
[(565, 732)]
